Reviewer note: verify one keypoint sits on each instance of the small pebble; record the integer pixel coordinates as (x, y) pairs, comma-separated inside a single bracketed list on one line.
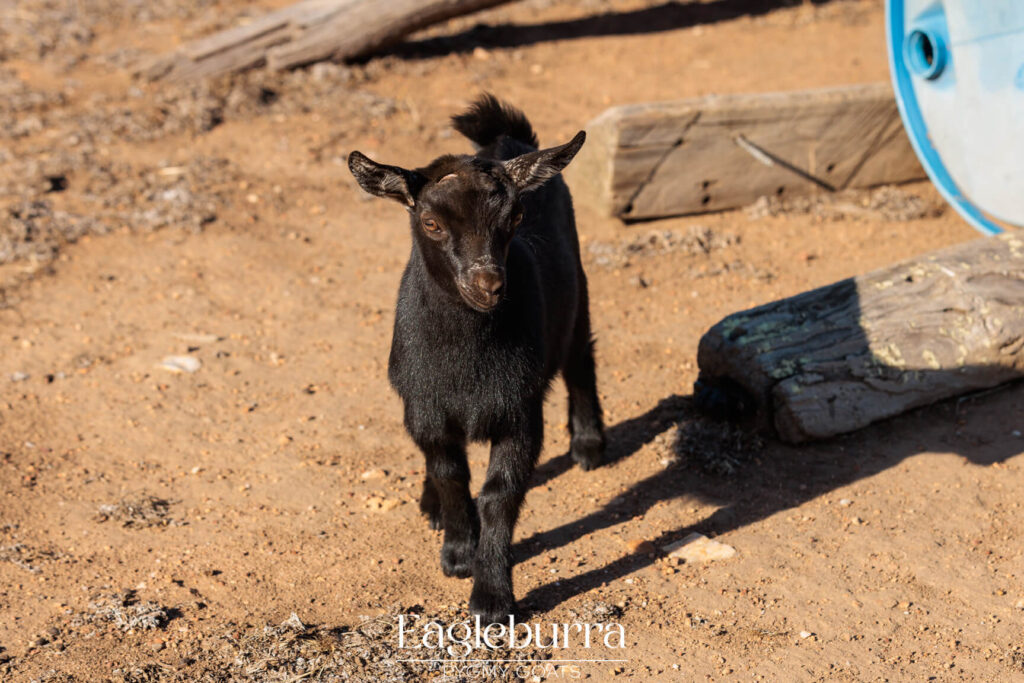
[(179, 364), (846, 502), (805, 634), (640, 546), (699, 548), (19, 376), (374, 474), (382, 504)]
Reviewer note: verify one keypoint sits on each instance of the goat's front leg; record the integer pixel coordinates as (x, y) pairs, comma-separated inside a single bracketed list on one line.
[(448, 473), (513, 456)]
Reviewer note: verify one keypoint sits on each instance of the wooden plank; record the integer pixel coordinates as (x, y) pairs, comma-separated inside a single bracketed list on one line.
[(306, 32), (837, 358), (720, 152)]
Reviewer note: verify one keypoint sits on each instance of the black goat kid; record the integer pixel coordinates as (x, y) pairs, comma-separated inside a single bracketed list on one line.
[(493, 303)]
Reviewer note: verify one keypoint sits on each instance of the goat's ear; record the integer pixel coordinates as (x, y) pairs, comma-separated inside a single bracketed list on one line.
[(381, 180), (531, 170)]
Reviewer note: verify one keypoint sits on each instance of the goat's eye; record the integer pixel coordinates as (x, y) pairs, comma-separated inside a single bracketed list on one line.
[(430, 225), (518, 218)]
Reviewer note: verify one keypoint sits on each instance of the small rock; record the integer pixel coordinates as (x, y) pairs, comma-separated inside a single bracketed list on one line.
[(179, 364), (374, 474), (293, 622), (846, 502), (19, 376), (805, 634), (382, 504), (699, 548), (481, 54), (640, 546)]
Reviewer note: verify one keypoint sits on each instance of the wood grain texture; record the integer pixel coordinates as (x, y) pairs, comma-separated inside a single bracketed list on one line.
[(307, 32), (720, 152), (840, 357)]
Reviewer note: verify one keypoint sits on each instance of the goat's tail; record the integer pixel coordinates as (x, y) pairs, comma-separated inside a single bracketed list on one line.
[(489, 118)]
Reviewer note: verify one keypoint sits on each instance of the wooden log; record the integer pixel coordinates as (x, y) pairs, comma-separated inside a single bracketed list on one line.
[(837, 358), (307, 32), (723, 151)]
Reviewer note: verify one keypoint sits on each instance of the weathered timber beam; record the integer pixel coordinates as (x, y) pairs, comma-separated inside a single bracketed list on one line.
[(724, 151), (840, 357), (307, 32)]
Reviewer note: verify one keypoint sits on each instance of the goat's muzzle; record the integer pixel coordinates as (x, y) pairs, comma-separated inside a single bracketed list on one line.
[(484, 287)]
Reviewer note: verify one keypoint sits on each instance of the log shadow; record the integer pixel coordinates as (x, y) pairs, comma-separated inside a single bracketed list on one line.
[(668, 16), (785, 477)]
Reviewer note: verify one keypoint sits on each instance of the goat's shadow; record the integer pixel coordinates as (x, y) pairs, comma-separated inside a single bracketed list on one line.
[(668, 16), (624, 439), (783, 477)]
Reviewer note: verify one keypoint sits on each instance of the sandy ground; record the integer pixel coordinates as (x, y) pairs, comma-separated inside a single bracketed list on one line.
[(153, 524)]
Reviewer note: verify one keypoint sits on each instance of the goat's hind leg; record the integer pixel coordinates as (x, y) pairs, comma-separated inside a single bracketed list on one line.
[(430, 504), (585, 422), (448, 480)]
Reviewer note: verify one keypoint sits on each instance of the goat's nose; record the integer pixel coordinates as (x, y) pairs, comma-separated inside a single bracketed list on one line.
[(488, 283)]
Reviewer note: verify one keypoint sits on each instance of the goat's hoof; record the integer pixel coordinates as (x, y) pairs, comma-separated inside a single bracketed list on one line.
[(457, 560), (587, 450), (492, 608)]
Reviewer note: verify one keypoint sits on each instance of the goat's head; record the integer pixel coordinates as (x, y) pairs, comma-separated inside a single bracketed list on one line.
[(465, 211)]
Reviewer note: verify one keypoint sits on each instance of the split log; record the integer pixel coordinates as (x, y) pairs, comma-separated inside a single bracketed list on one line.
[(724, 151), (307, 32), (837, 358)]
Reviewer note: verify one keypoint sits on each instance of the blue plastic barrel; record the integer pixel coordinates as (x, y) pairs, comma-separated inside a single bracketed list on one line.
[(958, 72)]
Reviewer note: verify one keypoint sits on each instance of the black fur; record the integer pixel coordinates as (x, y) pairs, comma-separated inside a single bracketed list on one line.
[(488, 313), (488, 119)]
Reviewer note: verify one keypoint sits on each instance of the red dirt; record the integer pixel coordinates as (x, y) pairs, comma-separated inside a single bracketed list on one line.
[(916, 574)]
